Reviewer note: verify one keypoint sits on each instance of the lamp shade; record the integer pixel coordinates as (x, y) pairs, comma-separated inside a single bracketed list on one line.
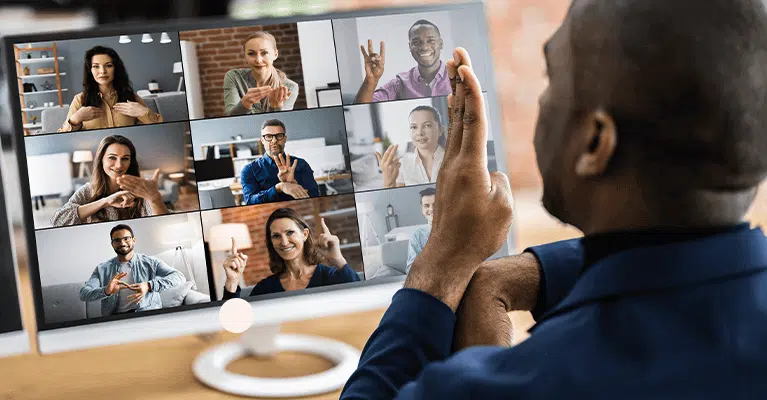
[(180, 232), (124, 39), (220, 237), (146, 38), (164, 38), (81, 156), (177, 69)]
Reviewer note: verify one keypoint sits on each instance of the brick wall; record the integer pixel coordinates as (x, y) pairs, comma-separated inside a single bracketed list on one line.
[(343, 225), (518, 29), (220, 50)]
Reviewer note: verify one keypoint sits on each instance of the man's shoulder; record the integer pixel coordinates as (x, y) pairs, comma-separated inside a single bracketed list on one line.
[(147, 258), (106, 264), (421, 233)]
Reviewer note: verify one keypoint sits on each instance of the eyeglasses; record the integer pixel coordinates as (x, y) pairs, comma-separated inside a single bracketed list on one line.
[(120, 240), (270, 137)]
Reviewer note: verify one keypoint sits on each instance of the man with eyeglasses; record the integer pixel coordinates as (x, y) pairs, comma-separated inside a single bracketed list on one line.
[(277, 176), (131, 281), (427, 79)]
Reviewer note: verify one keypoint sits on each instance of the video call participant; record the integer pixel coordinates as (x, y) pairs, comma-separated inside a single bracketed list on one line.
[(295, 258), (115, 191), (427, 79), (131, 281), (107, 99), (421, 166), (261, 87), (419, 238), (277, 176)]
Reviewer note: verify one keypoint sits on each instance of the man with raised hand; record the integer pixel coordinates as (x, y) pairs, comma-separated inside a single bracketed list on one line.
[(657, 163)]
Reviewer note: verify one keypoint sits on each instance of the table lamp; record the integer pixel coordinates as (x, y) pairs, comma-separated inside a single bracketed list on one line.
[(178, 234), (83, 157), (178, 69)]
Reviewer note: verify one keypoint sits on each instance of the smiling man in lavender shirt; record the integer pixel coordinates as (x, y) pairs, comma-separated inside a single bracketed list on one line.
[(427, 79)]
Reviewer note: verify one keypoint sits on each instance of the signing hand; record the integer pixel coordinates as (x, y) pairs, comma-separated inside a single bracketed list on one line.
[(330, 246), (293, 190), (144, 188), (278, 96), (86, 114), (114, 285), (131, 109), (374, 62), (141, 289), (467, 195), (287, 172), (254, 95), (234, 265), (389, 164), (121, 199)]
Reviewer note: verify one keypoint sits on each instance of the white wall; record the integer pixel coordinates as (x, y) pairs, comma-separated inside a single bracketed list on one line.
[(318, 57), (68, 255), (406, 202)]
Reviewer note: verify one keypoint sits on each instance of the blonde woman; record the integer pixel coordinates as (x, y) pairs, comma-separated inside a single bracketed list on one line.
[(261, 87)]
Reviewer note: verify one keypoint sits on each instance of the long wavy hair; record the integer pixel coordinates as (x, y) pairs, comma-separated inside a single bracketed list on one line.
[(100, 179), (277, 78), (276, 263), (121, 83)]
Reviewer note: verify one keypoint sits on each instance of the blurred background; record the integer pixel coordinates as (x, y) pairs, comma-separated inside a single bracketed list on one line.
[(518, 29)]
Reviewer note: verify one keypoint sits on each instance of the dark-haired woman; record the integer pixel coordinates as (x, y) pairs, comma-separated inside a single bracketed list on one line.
[(107, 99), (115, 192), (294, 258)]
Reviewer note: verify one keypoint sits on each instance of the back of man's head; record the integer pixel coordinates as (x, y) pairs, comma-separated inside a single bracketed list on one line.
[(685, 82)]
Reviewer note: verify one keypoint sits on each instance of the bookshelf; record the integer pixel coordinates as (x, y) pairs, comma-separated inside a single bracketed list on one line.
[(33, 67)]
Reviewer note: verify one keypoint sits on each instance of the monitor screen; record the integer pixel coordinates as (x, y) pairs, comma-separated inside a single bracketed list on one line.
[(171, 168)]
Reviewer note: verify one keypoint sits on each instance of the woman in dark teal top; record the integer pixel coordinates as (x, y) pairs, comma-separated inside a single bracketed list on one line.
[(294, 258)]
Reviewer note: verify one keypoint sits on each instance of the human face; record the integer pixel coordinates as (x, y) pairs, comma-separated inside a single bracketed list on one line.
[(427, 207), (260, 54), (275, 146), (123, 242), (556, 130), (117, 159), (425, 45), (103, 69), (288, 238), (424, 130)]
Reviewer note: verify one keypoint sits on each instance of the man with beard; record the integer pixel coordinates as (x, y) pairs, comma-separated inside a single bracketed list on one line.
[(273, 177), (131, 281), (427, 79)]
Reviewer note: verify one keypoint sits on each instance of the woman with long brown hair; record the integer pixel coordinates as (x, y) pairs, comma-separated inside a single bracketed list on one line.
[(261, 87), (295, 258), (116, 191), (108, 99)]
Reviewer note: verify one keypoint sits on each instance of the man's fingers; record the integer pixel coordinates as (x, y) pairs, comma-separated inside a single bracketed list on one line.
[(364, 53), (383, 52), (474, 120), (461, 57), (452, 72), (370, 47), (295, 165)]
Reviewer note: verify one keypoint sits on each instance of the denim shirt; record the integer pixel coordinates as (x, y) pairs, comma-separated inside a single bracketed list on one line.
[(259, 179), (145, 268)]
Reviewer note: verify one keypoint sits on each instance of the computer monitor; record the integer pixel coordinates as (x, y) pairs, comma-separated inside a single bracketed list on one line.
[(129, 251), (13, 337), (212, 169)]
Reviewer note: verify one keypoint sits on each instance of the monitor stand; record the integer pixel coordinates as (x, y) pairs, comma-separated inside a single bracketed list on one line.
[(265, 340)]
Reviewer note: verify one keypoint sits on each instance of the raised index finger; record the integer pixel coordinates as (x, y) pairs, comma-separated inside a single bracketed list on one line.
[(474, 141), (325, 229)]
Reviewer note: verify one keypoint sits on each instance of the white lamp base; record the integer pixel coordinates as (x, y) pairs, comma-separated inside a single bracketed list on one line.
[(210, 366)]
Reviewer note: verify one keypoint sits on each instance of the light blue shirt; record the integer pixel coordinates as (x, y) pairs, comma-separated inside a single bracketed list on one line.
[(160, 276), (417, 243)]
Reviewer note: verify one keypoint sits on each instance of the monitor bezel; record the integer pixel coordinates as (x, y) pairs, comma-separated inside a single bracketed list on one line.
[(263, 303)]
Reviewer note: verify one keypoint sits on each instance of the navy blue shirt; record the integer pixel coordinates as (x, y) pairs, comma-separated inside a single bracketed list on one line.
[(260, 177), (680, 320), (323, 276)]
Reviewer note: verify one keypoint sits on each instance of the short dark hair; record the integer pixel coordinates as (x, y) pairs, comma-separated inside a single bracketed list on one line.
[(274, 122), (427, 192), (434, 111), (424, 22), (683, 80), (120, 227)]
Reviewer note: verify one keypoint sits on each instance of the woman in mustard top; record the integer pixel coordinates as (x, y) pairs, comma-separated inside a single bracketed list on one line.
[(107, 99)]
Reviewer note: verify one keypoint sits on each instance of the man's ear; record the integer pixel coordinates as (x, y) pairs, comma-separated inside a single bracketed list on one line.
[(598, 144)]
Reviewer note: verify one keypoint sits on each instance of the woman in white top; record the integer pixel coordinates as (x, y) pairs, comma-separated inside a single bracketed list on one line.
[(427, 133)]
